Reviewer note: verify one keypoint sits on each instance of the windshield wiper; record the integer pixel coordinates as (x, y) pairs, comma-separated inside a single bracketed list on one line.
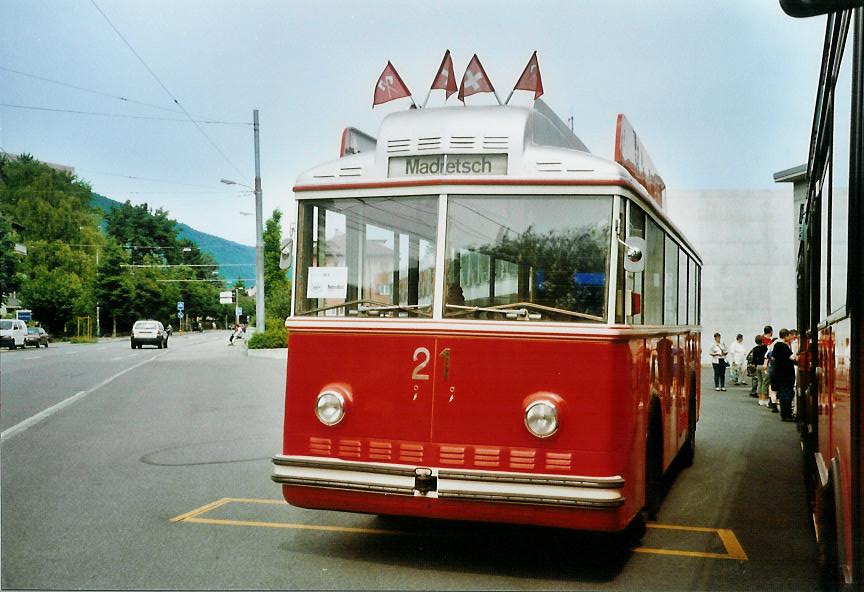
[(520, 310), (510, 313), (374, 311)]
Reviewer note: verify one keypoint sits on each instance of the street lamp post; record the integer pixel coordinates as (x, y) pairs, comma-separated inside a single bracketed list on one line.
[(259, 229)]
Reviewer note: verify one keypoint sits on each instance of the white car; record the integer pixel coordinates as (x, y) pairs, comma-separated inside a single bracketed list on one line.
[(149, 332), (12, 333)]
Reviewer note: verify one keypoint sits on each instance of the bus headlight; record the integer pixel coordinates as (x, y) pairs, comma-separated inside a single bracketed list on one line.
[(330, 408), (541, 418)]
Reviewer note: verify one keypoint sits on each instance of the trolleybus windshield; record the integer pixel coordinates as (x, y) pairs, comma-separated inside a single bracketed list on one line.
[(366, 256), (507, 257), (528, 257)]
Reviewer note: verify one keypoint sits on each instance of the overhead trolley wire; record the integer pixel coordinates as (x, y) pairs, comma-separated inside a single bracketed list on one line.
[(112, 96), (118, 115), (168, 92)]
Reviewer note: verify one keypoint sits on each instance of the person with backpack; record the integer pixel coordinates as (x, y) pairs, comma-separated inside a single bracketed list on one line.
[(756, 358), (783, 375)]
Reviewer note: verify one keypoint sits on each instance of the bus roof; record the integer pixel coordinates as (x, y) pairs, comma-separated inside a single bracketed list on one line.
[(488, 145)]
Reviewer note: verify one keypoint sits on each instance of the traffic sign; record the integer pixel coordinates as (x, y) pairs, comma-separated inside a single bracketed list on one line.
[(179, 314), (24, 315), (180, 305), (226, 297)]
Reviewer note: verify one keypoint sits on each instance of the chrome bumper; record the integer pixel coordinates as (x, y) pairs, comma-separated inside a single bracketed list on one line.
[(486, 486)]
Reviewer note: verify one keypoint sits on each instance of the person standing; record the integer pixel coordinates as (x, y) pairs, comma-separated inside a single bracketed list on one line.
[(783, 375), (738, 353), (757, 357), (718, 361)]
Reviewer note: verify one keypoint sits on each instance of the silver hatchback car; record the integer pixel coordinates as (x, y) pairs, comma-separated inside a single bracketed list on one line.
[(150, 333)]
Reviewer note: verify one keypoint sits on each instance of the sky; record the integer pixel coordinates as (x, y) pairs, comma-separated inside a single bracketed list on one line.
[(721, 92)]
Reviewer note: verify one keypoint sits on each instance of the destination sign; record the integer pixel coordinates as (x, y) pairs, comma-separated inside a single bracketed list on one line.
[(447, 164)]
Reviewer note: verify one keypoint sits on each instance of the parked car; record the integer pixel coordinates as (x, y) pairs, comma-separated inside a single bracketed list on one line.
[(36, 336), (150, 333), (12, 333)]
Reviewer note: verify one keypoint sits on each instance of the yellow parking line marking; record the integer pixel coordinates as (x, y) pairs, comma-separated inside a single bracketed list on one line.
[(733, 547), (681, 553), (293, 526), (201, 510)]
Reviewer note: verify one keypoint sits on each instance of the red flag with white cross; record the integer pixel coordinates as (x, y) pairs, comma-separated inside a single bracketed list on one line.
[(530, 79), (389, 87), (445, 80), (475, 80)]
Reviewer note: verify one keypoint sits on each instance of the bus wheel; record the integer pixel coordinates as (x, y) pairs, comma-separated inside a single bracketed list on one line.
[(828, 557), (688, 451), (653, 468)]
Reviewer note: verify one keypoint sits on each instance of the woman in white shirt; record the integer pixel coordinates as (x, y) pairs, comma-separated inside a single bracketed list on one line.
[(718, 360)]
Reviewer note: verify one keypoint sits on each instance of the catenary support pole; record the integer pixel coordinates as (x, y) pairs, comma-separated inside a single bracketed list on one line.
[(259, 234)]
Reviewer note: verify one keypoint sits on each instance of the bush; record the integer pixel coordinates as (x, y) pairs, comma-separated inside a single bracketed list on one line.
[(83, 339), (275, 335)]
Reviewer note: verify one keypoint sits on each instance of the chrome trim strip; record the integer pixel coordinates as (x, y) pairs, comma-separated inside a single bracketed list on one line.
[(487, 486), (615, 482)]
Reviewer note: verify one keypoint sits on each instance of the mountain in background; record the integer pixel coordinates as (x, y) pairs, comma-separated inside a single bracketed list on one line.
[(227, 253)]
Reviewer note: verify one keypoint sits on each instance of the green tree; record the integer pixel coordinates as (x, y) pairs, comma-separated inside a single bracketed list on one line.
[(61, 232), (277, 292), (147, 234), (114, 288), (10, 261)]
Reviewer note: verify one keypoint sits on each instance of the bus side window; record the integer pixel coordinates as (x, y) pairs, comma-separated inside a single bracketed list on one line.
[(633, 281), (682, 287), (652, 305), (670, 307), (691, 292)]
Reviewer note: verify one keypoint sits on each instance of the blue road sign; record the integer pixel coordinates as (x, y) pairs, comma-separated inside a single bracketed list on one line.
[(179, 314), (180, 305)]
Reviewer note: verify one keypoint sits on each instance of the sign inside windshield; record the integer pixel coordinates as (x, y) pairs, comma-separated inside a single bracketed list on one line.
[(447, 164)]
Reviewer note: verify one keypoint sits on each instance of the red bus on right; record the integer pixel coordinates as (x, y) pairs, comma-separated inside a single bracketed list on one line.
[(830, 406)]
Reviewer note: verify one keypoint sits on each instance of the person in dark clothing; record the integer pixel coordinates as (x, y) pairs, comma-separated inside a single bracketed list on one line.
[(783, 376), (756, 358)]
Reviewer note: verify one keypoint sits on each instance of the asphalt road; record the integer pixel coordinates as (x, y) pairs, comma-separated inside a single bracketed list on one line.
[(156, 475)]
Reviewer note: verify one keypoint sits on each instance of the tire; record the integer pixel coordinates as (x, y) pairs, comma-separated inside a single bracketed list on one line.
[(829, 560), (133, 344), (158, 345), (166, 344), (654, 464), (688, 451)]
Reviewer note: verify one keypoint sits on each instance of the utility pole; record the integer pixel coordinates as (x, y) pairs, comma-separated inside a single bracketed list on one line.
[(259, 234)]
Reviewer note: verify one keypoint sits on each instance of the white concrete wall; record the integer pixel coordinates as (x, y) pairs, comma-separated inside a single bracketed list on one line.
[(748, 247)]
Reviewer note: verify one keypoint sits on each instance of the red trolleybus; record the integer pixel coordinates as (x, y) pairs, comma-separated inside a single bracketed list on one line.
[(489, 323), (831, 294)]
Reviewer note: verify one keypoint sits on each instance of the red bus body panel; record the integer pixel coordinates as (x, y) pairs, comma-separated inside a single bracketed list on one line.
[(835, 420), (460, 402)]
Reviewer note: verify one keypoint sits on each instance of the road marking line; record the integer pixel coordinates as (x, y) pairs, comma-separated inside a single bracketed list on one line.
[(295, 526), (45, 414), (72, 353), (733, 547)]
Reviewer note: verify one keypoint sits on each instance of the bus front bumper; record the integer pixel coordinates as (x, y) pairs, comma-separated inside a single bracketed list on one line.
[(432, 482)]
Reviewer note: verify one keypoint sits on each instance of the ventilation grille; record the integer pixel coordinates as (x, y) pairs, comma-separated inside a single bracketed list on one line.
[(429, 144), (411, 453), (522, 459), (354, 171), (454, 144), (452, 455), (487, 457)]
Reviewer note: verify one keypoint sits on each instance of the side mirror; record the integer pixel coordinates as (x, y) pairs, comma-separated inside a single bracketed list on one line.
[(634, 254), (285, 250)]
